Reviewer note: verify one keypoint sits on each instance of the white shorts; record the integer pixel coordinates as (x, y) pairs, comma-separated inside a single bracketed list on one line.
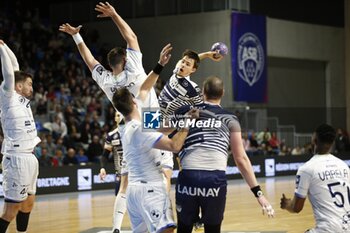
[(149, 207), (20, 173)]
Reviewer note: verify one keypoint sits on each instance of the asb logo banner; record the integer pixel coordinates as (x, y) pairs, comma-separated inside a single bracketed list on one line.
[(248, 43)]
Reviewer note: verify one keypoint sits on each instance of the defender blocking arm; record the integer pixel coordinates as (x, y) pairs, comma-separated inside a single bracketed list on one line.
[(7, 68), (13, 58), (107, 10), (84, 51), (154, 74)]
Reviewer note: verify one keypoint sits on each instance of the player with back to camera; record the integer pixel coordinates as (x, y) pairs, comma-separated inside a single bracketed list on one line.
[(325, 180), (20, 166), (202, 184), (147, 201)]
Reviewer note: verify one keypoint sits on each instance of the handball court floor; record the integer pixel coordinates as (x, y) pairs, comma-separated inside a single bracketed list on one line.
[(91, 211)]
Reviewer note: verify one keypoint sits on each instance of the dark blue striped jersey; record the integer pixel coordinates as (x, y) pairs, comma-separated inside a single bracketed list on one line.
[(114, 142), (207, 143), (178, 92)]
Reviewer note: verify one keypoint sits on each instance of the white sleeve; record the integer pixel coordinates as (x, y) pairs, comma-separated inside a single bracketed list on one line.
[(146, 140), (134, 62), (7, 70), (103, 80), (13, 58), (303, 179)]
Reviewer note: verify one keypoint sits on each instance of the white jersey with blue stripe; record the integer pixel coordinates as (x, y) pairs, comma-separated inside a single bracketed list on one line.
[(325, 179), (139, 153), (17, 121), (178, 92), (132, 77), (206, 147)]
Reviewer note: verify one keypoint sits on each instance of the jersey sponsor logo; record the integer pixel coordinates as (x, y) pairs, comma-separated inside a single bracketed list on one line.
[(155, 214), (115, 88), (99, 70), (250, 58), (297, 181), (26, 123), (200, 192), (21, 99)]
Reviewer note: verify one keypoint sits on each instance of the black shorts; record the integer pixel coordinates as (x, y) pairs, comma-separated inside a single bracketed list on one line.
[(199, 189)]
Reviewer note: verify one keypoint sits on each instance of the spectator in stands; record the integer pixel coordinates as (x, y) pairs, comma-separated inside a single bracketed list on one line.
[(297, 151), (44, 159), (57, 159), (84, 130), (59, 128), (95, 150), (70, 158), (341, 141), (49, 144), (254, 146), (60, 146), (274, 143), (81, 157)]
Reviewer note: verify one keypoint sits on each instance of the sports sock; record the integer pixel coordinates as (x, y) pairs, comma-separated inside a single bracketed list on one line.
[(3, 225), (22, 220), (119, 210)]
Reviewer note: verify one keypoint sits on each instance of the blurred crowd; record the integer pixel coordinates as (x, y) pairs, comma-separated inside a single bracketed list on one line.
[(72, 114), (267, 143)]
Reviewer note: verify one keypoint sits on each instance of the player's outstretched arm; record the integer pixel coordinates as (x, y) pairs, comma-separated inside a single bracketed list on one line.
[(245, 167), (13, 58), (152, 77), (84, 51), (175, 143), (213, 55), (7, 68), (107, 10)]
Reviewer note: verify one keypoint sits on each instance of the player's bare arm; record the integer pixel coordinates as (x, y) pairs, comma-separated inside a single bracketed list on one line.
[(84, 51), (154, 74), (107, 10), (293, 206), (245, 167), (176, 142), (213, 55)]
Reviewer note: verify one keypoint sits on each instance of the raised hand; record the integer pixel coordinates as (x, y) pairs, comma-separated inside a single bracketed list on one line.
[(165, 55), (67, 28), (106, 10)]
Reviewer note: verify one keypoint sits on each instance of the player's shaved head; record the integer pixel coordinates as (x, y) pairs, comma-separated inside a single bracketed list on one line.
[(213, 88), (324, 138), (123, 101)]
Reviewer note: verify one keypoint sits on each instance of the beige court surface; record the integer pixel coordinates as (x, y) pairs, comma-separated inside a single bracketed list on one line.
[(77, 212)]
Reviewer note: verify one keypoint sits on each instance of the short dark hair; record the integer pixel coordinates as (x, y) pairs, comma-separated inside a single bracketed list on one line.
[(325, 134), (193, 55), (122, 101), (21, 76), (213, 87), (116, 56)]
